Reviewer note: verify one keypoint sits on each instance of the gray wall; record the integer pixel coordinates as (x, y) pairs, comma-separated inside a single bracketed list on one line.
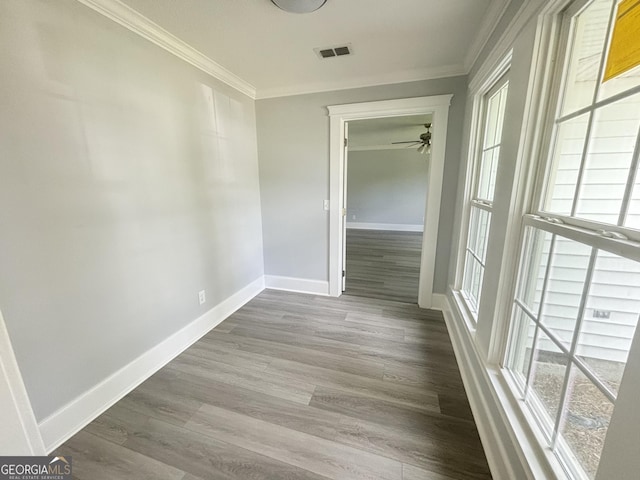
[(293, 146), (126, 188), (507, 17), (387, 186)]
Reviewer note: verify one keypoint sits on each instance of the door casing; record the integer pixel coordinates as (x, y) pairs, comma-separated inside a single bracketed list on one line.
[(438, 106)]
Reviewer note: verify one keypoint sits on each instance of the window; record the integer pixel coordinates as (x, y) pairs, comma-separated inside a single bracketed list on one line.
[(481, 201), (577, 299)]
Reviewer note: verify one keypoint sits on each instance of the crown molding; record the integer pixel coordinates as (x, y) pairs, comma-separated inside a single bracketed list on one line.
[(489, 23), (372, 81), (527, 11), (141, 25)]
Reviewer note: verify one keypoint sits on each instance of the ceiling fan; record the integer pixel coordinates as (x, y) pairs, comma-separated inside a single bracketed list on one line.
[(424, 143)]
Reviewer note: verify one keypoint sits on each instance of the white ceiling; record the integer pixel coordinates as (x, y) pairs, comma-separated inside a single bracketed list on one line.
[(393, 40)]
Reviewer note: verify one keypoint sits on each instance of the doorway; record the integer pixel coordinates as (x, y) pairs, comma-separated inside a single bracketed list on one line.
[(340, 115), (386, 178)]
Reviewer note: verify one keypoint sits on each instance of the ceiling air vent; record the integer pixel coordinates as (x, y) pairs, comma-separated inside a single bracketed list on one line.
[(329, 52)]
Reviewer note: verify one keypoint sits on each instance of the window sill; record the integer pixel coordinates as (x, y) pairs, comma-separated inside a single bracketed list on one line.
[(462, 309)]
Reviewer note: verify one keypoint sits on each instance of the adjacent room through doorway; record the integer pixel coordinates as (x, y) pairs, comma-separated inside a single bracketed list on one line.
[(386, 189)]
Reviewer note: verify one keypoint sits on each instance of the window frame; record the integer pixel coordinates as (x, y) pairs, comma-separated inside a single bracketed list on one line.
[(492, 85), (521, 388), (552, 119), (598, 236)]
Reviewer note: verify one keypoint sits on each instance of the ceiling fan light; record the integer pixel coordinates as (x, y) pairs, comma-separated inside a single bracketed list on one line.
[(299, 6), (422, 148)]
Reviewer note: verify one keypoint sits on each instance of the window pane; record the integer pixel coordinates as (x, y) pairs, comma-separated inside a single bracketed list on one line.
[(565, 167), (490, 152), (633, 215), (569, 265), (522, 343), (547, 376), (611, 146), (535, 259), (495, 118), (476, 244), (586, 47), (611, 317), (488, 172), (473, 274), (620, 83), (479, 232), (585, 421)]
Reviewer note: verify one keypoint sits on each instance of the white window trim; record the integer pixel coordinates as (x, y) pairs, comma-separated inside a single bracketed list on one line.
[(540, 461), (530, 202), (471, 174)]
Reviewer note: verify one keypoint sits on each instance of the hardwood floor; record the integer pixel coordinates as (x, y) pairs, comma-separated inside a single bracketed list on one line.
[(383, 264), (297, 387)]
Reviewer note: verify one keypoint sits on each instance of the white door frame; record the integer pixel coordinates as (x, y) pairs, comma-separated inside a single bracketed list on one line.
[(438, 106)]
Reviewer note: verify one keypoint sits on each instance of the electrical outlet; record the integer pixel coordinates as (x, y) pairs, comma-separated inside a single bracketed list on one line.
[(325, 205), (353, 217), (202, 297)]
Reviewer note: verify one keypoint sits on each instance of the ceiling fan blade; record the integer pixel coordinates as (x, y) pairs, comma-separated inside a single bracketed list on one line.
[(410, 141)]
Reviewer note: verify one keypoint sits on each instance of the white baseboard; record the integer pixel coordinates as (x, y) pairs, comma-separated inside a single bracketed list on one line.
[(67, 421), (301, 285), (504, 462), (438, 301), (20, 432), (393, 227)]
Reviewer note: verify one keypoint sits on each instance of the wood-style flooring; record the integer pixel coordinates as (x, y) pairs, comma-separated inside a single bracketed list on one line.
[(296, 387), (383, 264)]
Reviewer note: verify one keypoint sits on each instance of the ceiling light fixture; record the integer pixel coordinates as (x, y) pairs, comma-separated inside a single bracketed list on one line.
[(299, 6), (425, 138)]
